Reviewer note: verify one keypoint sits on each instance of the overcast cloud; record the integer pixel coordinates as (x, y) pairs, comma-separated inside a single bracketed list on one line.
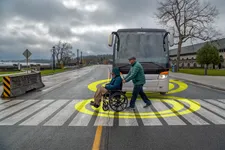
[(39, 24)]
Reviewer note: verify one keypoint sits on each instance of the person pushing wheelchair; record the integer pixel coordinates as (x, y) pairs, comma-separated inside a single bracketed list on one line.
[(115, 84)]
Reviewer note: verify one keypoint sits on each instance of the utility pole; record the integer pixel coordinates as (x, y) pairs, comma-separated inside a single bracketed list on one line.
[(53, 56), (77, 56), (81, 57)]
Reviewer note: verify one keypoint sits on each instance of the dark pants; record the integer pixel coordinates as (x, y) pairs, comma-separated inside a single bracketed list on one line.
[(138, 89)]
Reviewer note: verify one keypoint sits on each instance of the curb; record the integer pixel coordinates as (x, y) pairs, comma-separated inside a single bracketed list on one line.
[(211, 86)]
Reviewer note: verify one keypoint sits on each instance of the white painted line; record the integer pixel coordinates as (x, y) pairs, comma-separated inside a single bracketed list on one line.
[(192, 118), (174, 120), (2, 101), (16, 108), (103, 121), (215, 102), (3, 106), (128, 121), (63, 115), (81, 119), (221, 100), (213, 108), (77, 75), (24, 113), (42, 115), (208, 115), (147, 121)]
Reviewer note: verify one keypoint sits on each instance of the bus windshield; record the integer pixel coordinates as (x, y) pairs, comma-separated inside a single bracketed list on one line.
[(145, 46)]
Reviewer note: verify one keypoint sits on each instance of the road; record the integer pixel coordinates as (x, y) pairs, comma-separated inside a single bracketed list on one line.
[(59, 117)]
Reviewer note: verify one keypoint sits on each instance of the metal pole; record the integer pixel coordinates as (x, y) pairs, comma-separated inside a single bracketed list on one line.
[(27, 65), (77, 56), (53, 55), (81, 57)]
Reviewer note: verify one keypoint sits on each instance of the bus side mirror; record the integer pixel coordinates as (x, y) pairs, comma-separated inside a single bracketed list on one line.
[(171, 37), (110, 40), (171, 40)]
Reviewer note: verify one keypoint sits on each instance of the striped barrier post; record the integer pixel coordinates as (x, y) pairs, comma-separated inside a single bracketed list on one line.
[(6, 87)]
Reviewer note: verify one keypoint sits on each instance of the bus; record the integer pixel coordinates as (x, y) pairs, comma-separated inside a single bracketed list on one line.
[(151, 49)]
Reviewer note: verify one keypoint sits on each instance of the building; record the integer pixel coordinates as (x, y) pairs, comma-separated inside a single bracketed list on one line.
[(188, 55)]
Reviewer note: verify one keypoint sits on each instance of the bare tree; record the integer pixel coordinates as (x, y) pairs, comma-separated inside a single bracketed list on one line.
[(63, 52), (189, 19)]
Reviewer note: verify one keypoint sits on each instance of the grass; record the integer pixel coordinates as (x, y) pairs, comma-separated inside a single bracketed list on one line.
[(51, 72), (9, 72), (43, 72), (210, 72)]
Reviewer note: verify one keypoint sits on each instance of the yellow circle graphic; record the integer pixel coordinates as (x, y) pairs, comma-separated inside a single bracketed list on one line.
[(181, 86), (176, 103)]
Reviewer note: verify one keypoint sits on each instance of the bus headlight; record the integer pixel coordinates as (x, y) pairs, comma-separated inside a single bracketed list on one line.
[(163, 75)]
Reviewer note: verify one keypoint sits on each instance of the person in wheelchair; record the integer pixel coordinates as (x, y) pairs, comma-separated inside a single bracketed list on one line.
[(115, 84)]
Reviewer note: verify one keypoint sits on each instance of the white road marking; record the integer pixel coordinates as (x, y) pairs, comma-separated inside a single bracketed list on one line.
[(192, 118), (213, 108), (208, 115), (24, 113), (81, 119), (3, 106), (103, 121), (147, 121), (128, 121), (16, 108), (159, 106), (63, 115), (215, 102), (42, 115)]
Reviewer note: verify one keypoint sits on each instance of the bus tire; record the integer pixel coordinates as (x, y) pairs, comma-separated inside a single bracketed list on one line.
[(163, 93)]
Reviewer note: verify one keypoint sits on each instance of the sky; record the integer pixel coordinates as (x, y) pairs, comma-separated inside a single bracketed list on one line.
[(37, 25)]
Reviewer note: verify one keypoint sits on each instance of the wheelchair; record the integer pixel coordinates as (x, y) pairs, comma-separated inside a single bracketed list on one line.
[(115, 99)]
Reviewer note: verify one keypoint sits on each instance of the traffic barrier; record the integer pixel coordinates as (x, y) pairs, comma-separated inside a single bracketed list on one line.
[(16, 85)]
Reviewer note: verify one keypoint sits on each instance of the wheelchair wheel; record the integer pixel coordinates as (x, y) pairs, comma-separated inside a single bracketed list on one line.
[(105, 106), (118, 101)]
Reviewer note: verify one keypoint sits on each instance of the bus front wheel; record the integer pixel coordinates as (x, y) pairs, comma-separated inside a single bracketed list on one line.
[(163, 93)]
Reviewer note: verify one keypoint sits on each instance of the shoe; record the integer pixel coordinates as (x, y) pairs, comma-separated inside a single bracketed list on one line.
[(147, 105), (92, 103)]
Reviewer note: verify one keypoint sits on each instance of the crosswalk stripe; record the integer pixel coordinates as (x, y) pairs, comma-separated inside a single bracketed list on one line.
[(213, 108), (24, 113), (3, 106), (159, 106), (1, 101), (103, 121), (63, 115), (42, 115), (128, 121), (192, 118), (221, 100), (81, 119), (209, 115), (215, 102), (146, 121), (16, 108)]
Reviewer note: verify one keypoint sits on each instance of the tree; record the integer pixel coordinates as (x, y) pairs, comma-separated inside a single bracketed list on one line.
[(63, 52), (190, 19), (208, 54)]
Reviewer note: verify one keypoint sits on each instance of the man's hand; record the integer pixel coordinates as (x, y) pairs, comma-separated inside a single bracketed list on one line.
[(124, 81)]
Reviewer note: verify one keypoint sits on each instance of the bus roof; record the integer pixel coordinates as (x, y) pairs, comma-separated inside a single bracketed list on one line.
[(141, 30)]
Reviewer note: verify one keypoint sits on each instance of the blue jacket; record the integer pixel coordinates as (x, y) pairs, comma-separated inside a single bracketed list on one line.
[(115, 83)]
